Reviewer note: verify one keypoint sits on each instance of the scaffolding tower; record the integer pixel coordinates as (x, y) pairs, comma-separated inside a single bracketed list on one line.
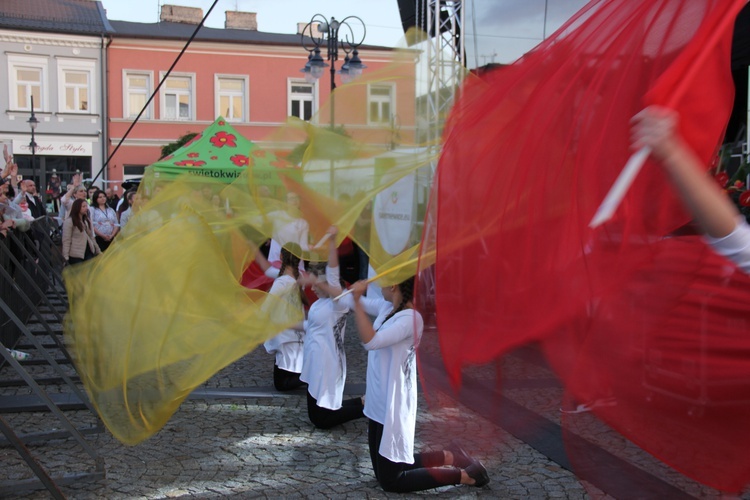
[(446, 60)]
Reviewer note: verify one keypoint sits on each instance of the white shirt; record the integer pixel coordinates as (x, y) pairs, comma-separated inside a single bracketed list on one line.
[(324, 364), (391, 394), (287, 229), (104, 220), (374, 306), (125, 217), (735, 246), (287, 345)]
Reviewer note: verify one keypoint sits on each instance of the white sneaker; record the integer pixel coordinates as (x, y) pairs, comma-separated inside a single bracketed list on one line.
[(586, 407), (19, 355)]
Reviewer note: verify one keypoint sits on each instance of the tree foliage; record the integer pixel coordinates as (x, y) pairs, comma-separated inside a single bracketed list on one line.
[(170, 148), (298, 152)]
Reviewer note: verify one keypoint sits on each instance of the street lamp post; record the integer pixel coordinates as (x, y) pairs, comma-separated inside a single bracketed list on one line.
[(33, 122), (329, 33)]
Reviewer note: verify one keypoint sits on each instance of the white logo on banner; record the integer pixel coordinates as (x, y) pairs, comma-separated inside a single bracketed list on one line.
[(394, 215)]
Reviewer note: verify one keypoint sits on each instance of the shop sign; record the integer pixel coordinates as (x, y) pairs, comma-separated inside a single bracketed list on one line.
[(55, 148)]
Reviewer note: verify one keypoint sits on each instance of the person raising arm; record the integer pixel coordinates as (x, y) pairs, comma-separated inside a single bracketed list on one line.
[(726, 230)]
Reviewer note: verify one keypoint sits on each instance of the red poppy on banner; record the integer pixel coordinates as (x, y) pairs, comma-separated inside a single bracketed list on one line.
[(222, 139), (190, 163), (239, 160)]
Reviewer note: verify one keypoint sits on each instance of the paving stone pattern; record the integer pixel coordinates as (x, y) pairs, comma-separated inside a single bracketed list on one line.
[(265, 447)]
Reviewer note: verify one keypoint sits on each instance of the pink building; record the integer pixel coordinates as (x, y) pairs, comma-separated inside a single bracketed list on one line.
[(251, 78)]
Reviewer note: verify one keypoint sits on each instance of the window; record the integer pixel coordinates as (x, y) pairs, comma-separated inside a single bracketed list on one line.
[(136, 94), (177, 98), (380, 102), (28, 83), (301, 100), (76, 84), (133, 171), (28, 77), (230, 97)]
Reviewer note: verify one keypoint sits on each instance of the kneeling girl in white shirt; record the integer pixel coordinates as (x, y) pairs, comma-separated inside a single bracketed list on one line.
[(287, 345), (391, 397), (324, 360)]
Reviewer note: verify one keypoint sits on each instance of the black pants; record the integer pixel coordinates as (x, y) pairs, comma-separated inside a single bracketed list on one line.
[(103, 244), (284, 380), (363, 264), (323, 418), (425, 473), (86, 256)]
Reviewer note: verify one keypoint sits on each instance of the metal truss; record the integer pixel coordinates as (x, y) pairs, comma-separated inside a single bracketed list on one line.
[(446, 59)]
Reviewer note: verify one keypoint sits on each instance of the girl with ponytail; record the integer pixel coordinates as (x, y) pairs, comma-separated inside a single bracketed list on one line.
[(391, 397), (324, 367), (287, 345)]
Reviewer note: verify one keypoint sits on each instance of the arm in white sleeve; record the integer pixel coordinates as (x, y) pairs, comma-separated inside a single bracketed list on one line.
[(735, 246), (396, 330)]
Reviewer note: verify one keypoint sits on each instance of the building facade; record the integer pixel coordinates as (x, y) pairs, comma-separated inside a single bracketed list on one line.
[(54, 53), (249, 77)]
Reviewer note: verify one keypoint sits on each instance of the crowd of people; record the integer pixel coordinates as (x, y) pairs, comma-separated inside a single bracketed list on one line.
[(90, 218), (19, 203)]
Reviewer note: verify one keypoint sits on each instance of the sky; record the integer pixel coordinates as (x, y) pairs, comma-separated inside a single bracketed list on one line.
[(497, 30)]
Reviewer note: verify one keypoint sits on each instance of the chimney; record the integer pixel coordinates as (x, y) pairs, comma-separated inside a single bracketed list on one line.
[(313, 27), (180, 14), (241, 20)]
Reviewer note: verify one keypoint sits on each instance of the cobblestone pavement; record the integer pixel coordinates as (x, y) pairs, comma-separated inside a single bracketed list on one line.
[(245, 440)]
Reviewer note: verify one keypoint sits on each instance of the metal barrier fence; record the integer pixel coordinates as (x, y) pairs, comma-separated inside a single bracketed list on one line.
[(33, 260), (33, 304)]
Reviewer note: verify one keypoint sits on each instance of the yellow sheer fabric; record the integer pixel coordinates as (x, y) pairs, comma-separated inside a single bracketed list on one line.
[(162, 310)]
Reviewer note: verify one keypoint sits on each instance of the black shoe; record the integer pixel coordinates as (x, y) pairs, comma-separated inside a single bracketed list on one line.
[(461, 459), (478, 473)]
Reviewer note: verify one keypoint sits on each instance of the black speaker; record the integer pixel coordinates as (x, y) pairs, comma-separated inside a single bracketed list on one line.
[(740, 41), (408, 11)]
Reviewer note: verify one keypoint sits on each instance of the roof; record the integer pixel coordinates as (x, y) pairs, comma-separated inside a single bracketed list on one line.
[(81, 17), (221, 153), (183, 31)]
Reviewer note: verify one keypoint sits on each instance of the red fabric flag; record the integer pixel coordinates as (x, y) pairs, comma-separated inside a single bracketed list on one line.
[(530, 152)]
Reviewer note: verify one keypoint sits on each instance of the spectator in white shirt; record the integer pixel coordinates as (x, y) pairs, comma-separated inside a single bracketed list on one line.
[(76, 191), (104, 219), (130, 198)]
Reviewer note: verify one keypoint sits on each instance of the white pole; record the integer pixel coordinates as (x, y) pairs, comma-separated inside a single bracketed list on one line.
[(620, 187)]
